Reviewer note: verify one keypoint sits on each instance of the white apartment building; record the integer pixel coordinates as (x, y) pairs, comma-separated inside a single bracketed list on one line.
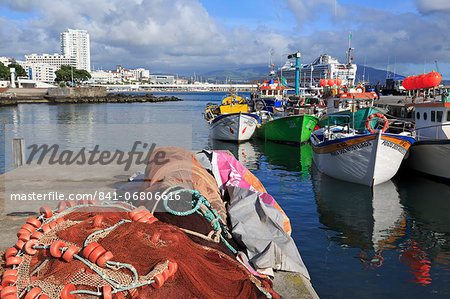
[(55, 60), (41, 72), (107, 77), (75, 43)]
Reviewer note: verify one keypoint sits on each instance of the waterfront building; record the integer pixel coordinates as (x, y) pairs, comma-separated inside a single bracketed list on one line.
[(105, 77), (41, 72), (161, 79), (76, 43), (55, 60)]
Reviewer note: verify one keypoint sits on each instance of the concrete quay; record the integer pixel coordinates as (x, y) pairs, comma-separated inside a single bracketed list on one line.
[(90, 179)]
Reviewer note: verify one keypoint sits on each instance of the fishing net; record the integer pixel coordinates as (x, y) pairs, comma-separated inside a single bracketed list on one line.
[(118, 250)]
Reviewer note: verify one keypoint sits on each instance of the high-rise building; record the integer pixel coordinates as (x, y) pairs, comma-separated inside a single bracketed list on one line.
[(75, 43)]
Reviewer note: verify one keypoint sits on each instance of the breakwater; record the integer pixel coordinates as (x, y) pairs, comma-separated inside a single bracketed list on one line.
[(74, 96)]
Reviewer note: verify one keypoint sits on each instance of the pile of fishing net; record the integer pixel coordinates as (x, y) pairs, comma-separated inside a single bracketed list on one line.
[(88, 249)]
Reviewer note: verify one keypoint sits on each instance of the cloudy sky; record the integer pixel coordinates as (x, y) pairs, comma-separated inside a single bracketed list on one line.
[(183, 36)]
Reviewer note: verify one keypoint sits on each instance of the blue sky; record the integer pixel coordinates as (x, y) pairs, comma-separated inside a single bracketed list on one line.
[(183, 36)]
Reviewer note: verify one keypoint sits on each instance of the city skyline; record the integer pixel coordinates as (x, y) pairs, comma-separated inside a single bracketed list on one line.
[(184, 36)]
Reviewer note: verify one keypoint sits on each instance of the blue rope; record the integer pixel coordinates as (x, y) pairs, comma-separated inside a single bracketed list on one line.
[(210, 214)]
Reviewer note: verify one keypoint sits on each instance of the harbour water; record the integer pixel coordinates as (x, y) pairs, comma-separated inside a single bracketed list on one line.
[(393, 241)]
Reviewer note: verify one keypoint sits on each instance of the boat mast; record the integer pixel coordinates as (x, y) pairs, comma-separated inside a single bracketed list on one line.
[(349, 58)]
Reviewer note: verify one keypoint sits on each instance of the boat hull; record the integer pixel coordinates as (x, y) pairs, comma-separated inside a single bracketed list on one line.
[(431, 157), (368, 159), (291, 129), (234, 126)]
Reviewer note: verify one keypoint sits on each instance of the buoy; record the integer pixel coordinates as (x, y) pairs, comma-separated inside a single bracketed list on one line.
[(107, 292), (14, 260), (19, 244), (69, 253), (330, 82), (46, 211), (323, 82), (61, 206), (159, 280), (33, 293), (55, 248), (101, 261), (338, 81), (34, 222), (96, 253), (9, 279), (29, 227), (89, 248), (36, 235), (11, 252), (29, 247), (155, 237), (65, 293), (60, 220), (9, 291)]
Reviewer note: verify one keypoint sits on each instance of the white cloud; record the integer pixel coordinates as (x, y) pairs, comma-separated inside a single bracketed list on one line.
[(427, 7)]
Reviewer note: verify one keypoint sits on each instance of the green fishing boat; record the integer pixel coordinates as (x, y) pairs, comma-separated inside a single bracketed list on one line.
[(357, 119), (290, 129)]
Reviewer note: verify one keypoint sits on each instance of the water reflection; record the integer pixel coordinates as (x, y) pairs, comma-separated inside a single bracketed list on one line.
[(405, 219), (243, 152), (367, 219), (288, 157)]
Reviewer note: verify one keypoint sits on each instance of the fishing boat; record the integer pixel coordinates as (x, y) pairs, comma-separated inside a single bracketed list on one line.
[(289, 129), (353, 102), (430, 154), (230, 121), (363, 158)]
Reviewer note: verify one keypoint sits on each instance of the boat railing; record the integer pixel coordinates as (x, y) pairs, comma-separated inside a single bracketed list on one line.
[(437, 131)]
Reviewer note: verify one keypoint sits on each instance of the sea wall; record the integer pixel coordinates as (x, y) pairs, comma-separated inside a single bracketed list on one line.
[(81, 92)]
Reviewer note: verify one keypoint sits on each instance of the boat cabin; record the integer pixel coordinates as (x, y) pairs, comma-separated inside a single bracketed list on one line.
[(432, 120), (271, 89)]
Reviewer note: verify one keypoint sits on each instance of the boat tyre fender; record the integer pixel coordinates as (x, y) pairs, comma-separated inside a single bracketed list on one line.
[(372, 130)]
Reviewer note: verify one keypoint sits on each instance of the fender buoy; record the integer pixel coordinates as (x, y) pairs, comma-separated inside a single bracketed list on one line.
[(370, 129), (33, 293)]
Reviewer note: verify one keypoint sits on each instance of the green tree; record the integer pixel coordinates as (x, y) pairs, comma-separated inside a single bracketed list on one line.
[(65, 73), (4, 71), (20, 72)]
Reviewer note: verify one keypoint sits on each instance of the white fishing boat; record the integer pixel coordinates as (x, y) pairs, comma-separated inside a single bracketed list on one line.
[(430, 154), (230, 121), (368, 158)]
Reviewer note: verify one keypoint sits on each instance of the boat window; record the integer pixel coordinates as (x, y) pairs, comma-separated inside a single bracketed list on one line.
[(433, 115), (448, 115), (425, 116), (439, 116), (269, 93), (418, 115)]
